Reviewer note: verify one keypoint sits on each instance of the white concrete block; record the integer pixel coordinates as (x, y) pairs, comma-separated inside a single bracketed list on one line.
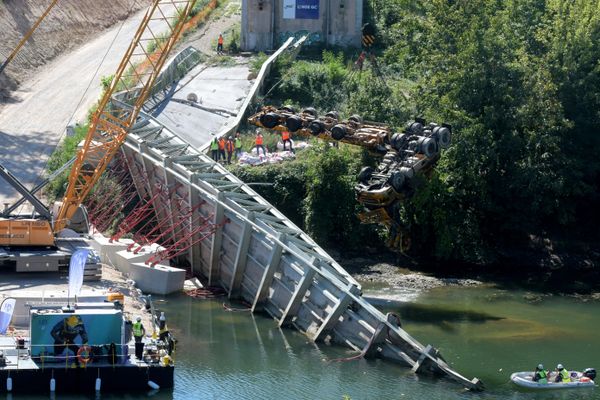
[(123, 259), (161, 279), (107, 250)]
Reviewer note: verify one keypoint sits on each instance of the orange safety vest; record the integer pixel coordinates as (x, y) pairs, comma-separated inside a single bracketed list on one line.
[(259, 140), (285, 135), (229, 146), (221, 144), (220, 39)]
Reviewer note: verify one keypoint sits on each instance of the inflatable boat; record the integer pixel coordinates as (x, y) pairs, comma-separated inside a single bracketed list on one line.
[(578, 380)]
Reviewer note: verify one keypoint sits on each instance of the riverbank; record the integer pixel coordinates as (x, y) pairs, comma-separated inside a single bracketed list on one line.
[(385, 271), (398, 271)]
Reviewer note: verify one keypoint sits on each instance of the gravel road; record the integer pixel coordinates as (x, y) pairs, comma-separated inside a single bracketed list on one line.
[(35, 118)]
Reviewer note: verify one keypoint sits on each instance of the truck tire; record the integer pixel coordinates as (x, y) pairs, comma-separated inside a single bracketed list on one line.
[(310, 111), (416, 128), (356, 118), (398, 141), (397, 180), (365, 174), (338, 132), (293, 123), (444, 136), (333, 115), (316, 127), (427, 146), (269, 120)]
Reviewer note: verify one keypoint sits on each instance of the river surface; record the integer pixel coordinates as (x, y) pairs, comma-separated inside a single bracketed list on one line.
[(481, 331)]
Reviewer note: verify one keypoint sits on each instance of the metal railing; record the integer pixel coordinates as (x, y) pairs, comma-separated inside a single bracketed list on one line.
[(97, 354)]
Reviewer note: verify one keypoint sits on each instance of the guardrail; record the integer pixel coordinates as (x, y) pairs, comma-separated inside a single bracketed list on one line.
[(289, 45)]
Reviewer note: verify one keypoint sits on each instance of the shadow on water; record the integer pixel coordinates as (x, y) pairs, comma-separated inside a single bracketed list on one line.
[(431, 314)]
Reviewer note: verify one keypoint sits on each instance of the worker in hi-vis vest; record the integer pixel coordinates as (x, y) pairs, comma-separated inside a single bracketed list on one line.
[(258, 143), (138, 334), (222, 148), (214, 149), (238, 145), (220, 44), (229, 146), (285, 137)]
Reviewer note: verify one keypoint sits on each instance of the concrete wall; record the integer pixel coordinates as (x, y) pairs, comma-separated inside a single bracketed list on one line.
[(263, 26)]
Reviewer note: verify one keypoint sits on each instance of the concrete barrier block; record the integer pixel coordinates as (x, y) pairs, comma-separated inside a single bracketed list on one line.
[(161, 279), (107, 250), (123, 259)]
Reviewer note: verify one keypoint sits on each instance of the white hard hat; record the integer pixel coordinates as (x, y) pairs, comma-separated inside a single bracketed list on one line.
[(559, 366), (540, 366), (162, 316), (138, 318)]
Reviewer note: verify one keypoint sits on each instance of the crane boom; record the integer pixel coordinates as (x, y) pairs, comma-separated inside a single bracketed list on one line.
[(135, 77), (27, 36)]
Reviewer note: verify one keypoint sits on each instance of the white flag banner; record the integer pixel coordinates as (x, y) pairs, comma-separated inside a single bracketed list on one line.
[(76, 267), (6, 313)]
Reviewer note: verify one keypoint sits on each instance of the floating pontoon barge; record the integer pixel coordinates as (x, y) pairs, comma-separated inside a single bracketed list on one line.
[(84, 349)]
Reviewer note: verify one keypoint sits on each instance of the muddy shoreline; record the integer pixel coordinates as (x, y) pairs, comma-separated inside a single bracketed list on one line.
[(407, 273)]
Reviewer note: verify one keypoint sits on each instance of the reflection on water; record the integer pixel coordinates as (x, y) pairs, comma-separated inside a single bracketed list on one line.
[(482, 332)]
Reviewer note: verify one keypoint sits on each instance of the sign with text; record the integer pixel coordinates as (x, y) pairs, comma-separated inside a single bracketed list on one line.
[(301, 9)]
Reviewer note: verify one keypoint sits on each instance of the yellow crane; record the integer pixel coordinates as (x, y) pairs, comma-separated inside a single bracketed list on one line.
[(156, 36)]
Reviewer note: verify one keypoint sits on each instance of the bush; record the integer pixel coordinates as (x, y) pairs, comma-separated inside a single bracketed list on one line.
[(316, 191), (64, 152), (233, 41)]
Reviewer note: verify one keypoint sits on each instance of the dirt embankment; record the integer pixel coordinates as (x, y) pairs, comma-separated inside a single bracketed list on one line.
[(69, 24)]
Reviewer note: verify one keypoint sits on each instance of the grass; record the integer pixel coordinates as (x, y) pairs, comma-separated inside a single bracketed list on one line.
[(221, 60), (65, 151)]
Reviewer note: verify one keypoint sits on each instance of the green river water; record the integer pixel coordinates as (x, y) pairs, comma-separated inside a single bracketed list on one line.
[(481, 331)]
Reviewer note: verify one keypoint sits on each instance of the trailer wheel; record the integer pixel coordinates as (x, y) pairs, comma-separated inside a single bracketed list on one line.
[(444, 136), (338, 132), (311, 111), (427, 146), (397, 181), (316, 127), (289, 109), (269, 120), (333, 115), (416, 128), (365, 174), (293, 123), (398, 141), (356, 118)]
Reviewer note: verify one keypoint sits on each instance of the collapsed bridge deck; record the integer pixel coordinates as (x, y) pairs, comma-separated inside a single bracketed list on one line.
[(259, 256)]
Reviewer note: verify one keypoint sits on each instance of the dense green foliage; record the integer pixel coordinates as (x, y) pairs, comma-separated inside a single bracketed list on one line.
[(316, 191), (519, 80)]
